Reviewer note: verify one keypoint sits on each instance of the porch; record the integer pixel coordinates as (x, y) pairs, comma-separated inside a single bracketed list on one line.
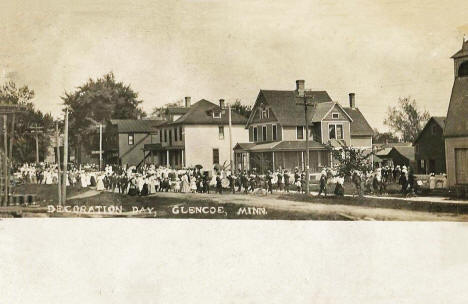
[(281, 155), (173, 157)]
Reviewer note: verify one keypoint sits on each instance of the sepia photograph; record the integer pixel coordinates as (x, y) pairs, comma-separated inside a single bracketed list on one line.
[(245, 151), (181, 110)]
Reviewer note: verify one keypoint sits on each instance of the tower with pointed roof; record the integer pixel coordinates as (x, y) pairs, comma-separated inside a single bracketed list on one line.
[(456, 124)]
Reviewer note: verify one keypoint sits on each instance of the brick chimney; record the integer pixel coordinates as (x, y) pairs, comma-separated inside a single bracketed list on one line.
[(187, 102), (221, 103), (300, 85), (352, 100)]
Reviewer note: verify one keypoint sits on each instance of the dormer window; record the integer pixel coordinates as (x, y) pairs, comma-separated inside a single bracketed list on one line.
[(216, 114), (265, 113), (335, 115)]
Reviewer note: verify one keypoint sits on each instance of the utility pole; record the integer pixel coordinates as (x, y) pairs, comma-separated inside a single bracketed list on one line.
[(5, 160), (100, 147), (306, 104), (36, 130), (230, 139), (65, 159), (57, 138)]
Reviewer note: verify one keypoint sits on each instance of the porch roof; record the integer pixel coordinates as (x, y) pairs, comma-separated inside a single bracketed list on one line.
[(285, 145)]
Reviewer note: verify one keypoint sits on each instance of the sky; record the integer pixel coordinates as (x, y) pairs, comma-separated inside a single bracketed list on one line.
[(166, 50)]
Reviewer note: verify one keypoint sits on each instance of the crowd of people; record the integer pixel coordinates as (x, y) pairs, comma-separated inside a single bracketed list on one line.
[(150, 179)]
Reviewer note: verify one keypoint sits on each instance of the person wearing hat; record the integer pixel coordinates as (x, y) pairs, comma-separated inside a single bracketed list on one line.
[(286, 180), (269, 183), (323, 183), (219, 186)]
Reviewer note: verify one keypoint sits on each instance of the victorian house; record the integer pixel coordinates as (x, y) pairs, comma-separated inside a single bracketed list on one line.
[(277, 132)]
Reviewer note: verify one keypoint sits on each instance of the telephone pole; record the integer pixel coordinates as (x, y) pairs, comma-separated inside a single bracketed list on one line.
[(36, 130), (65, 159), (57, 139), (306, 104), (230, 139)]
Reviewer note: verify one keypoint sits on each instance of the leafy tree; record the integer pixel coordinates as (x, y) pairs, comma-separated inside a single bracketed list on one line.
[(242, 109), (24, 149), (159, 111), (406, 119), (385, 137), (348, 159), (100, 100)]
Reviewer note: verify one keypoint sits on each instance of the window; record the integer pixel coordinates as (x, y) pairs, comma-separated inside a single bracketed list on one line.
[(180, 133), (335, 131), (331, 131), (339, 131), (335, 115), (274, 132), (165, 135), (264, 133), (215, 156), (265, 113), (255, 134), (131, 139), (216, 114), (311, 133), (221, 132), (300, 132), (175, 134), (160, 136)]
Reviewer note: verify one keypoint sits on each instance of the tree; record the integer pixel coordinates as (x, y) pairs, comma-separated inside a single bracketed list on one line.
[(349, 159), (383, 138), (159, 111), (406, 119), (242, 109), (101, 100), (24, 149)]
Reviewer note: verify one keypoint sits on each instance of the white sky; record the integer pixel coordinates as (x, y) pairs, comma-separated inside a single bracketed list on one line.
[(166, 50)]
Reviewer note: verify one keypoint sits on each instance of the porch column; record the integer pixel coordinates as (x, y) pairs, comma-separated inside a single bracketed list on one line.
[(182, 152), (273, 159), (167, 159), (302, 160)]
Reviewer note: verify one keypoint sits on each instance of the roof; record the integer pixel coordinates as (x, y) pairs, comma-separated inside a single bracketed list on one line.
[(405, 151), (136, 125), (199, 113), (359, 125), (285, 145), (440, 120), (456, 124), (243, 146), (384, 152), (177, 110), (463, 52), (284, 105)]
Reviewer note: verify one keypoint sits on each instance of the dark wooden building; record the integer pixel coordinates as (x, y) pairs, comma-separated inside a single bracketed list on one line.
[(429, 147)]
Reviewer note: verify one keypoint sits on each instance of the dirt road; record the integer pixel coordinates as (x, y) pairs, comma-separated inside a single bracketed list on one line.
[(272, 202)]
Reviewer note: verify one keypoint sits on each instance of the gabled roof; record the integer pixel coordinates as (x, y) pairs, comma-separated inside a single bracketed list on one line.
[(456, 121), (201, 113), (406, 151), (136, 125), (285, 108), (439, 120), (359, 126)]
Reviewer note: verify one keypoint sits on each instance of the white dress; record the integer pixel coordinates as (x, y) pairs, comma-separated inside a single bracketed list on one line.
[(100, 183)]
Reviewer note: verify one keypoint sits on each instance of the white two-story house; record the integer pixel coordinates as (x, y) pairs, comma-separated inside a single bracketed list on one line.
[(199, 137)]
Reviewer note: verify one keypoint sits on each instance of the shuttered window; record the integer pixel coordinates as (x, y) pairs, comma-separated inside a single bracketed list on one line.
[(275, 130)]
